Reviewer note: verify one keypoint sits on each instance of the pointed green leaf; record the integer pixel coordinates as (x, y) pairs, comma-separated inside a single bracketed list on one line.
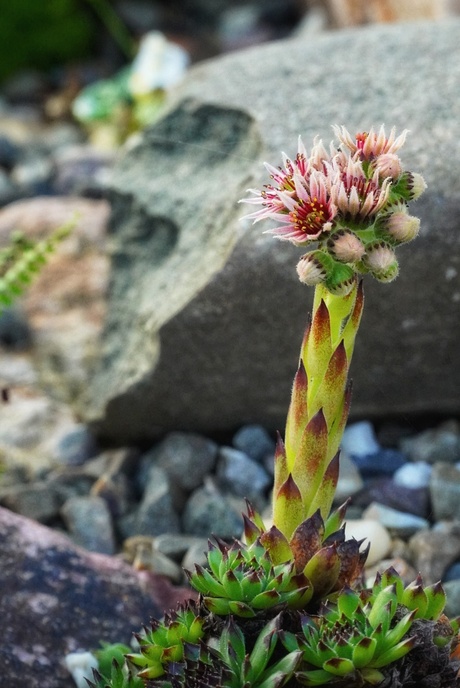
[(311, 459), (317, 348), (436, 601), (363, 652), (277, 545), (347, 602), (394, 653), (288, 507), (323, 570), (326, 491), (339, 666), (297, 416)]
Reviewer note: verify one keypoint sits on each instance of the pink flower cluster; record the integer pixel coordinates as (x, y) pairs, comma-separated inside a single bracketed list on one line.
[(310, 194), (351, 199)]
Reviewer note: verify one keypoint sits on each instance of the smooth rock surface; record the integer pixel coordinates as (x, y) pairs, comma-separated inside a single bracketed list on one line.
[(205, 313), (57, 598)]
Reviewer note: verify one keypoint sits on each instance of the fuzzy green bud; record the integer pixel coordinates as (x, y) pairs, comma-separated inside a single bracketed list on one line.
[(402, 227), (380, 260), (346, 246)]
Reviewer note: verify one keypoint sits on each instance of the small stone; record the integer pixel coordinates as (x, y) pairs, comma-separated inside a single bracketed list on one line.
[(82, 171), (413, 475), (196, 554), (241, 476), (9, 152), (155, 514), (350, 480), (255, 442), (9, 191), (445, 491), (359, 440), (452, 573), (40, 501), (452, 590), (208, 512), (435, 445), (34, 176), (140, 551), (89, 523), (175, 546), (383, 462), (185, 457), (398, 523), (386, 491), (77, 446), (15, 333), (433, 551), (374, 533), (80, 666)]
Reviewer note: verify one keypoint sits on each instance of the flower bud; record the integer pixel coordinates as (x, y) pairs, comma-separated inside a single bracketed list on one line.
[(401, 226), (409, 186), (312, 269), (381, 261), (388, 165), (345, 246), (341, 279)]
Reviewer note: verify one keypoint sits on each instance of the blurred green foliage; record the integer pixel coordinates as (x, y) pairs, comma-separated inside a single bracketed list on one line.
[(41, 34)]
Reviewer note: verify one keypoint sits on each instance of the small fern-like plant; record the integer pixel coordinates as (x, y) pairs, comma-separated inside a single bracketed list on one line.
[(22, 259)]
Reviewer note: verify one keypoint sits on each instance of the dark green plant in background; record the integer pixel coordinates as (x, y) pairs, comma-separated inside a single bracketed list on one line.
[(44, 34)]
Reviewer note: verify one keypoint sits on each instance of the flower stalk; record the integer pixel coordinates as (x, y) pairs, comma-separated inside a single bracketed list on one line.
[(318, 412), (351, 203)]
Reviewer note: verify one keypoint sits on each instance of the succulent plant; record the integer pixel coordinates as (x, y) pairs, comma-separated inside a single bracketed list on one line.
[(243, 580), (168, 641), (253, 669), (120, 676), (288, 606), (360, 634)]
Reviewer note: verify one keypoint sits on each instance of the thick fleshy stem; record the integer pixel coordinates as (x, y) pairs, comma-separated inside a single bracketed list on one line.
[(307, 462)]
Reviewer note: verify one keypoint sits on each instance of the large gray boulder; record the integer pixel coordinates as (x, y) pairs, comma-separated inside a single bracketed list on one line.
[(205, 313)]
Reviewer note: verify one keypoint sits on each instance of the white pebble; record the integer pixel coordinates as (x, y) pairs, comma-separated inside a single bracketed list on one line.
[(359, 439), (413, 475), (81, 665)]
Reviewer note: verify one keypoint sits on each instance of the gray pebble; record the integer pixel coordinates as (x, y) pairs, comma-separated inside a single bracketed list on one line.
[(89, 522), (241, 476), (209, 512), (254, 441), (155, 513), (185, 457), (438, 444), (445, 491)]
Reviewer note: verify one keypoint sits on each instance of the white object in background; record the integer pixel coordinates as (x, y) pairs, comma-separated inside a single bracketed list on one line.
[(158, 64), (359, 439), (81, 665), (413, 475), (373, 532)]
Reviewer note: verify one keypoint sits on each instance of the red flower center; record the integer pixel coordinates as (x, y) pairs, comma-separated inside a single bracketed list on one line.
[(310, 216)]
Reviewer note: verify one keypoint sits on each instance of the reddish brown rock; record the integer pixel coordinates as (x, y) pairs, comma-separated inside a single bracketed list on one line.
[(57, 598)]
